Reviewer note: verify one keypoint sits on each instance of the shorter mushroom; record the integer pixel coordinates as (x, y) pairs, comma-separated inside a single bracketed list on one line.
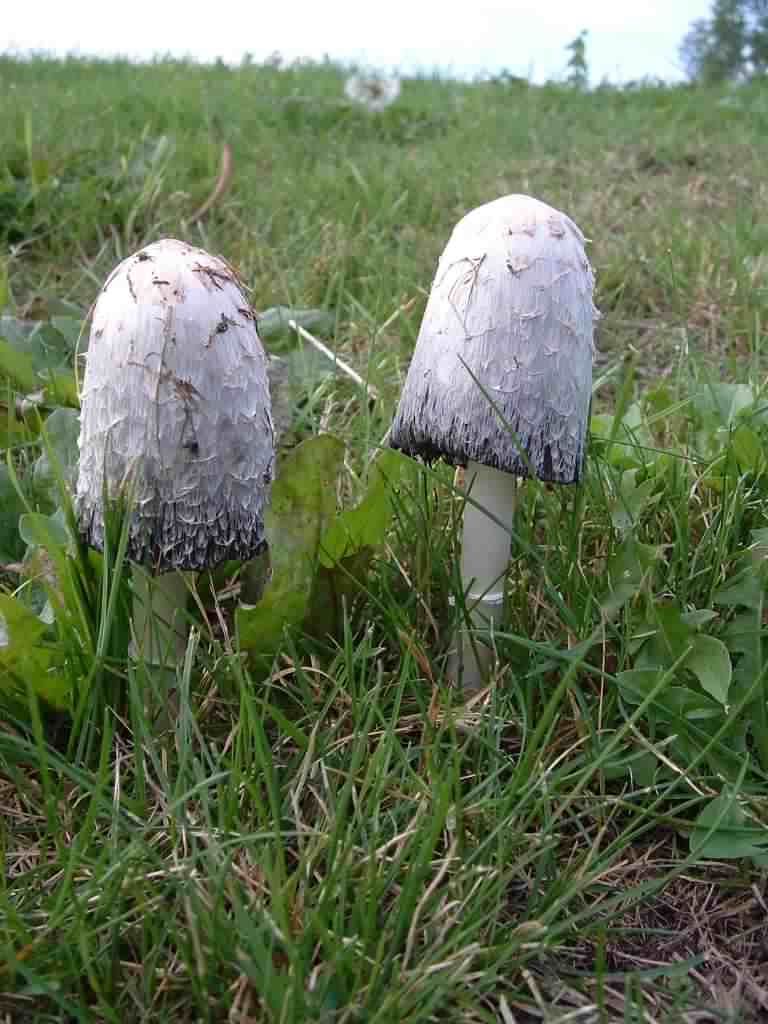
[(175, 408), (501, 380)]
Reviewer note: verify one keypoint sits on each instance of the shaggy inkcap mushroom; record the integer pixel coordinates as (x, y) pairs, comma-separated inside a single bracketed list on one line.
[(501, 376), (175, 400), (510, 313)]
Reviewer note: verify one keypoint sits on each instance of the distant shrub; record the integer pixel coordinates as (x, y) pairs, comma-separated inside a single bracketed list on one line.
[(731, 44)]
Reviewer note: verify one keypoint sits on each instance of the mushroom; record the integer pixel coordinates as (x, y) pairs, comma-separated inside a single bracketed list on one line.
[(501, 380), (175, 411)]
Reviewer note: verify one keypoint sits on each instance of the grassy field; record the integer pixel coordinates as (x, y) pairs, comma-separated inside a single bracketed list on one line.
[(332, 832)]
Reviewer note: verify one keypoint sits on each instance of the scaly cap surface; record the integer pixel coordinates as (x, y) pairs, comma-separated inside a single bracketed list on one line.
[(175, 396), (511, 304)]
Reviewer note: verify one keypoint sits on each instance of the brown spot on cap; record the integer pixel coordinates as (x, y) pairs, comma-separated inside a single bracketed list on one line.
[(517, 264)]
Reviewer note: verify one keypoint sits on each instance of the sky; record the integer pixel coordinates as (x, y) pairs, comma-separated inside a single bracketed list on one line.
[(628, 39)]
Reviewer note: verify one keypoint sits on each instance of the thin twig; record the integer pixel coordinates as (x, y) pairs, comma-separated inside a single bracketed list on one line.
[(225, 173), (330, 354), (406, 307)]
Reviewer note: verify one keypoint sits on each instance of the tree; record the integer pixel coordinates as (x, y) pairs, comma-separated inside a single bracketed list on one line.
[(578, 68), (759, 40), (731, 44)]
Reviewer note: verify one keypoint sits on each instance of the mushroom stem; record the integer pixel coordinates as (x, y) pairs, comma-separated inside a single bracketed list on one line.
[(484, 560), (159, 622)]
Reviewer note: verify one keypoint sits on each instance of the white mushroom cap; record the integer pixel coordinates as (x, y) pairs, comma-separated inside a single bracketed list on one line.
[(175, 396), (511, 304)]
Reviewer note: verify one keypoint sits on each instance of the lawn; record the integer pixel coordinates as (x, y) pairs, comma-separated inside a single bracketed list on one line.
[(318, 825)]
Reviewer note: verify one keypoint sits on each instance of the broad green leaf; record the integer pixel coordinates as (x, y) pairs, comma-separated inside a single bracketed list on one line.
[(749, 450), (38, 530), (274, 321), (303, 498), (635, 684), (748, 592), (60, 388), (50, 349), (721, 402), (48, 344), (12, 429), (39, 171), (641, 765), (11, 507), (734, 834), (35, 360), (365, 525), (17, 367), (600, 424), (303, 502), (646, 768), (634, 425), (47, 561), (741, 397), (350, 543), (660, 401), (669, 702), (742, 634), (625, 435), (62, 429), (698, 617), (71, 330), (670, 638), (675, 702), (631, 500), (626, 572), (334, 592), (18, 622), (711, 664), (25, 660)]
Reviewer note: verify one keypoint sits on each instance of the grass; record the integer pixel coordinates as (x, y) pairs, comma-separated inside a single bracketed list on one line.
[(341, 836)]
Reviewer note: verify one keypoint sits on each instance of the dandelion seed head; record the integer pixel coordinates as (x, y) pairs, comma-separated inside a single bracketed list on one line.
[(373, 91)]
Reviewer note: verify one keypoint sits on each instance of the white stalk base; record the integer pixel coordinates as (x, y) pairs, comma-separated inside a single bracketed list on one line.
[(484, 560)]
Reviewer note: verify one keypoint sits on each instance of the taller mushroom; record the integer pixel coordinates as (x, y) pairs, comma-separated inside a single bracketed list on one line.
[(501, 378), (175, 401)]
